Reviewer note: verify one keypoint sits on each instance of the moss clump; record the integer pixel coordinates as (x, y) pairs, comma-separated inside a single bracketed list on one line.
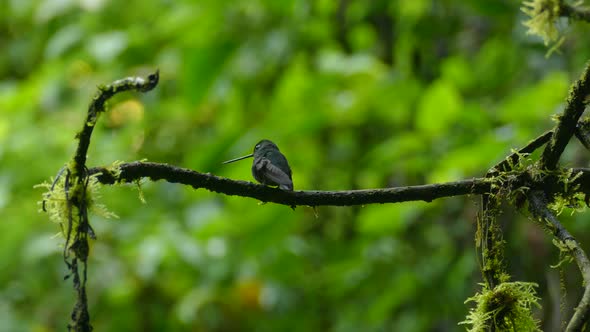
[(507, 307), (543, 20), (63, 197)]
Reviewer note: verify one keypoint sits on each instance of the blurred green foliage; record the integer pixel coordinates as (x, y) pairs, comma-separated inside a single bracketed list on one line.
[(357, 94)]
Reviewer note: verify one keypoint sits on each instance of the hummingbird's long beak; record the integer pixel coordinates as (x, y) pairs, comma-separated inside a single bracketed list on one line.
[(236, 159)]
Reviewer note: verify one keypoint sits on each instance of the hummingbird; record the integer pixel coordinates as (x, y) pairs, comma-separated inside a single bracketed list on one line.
[(270, 167)]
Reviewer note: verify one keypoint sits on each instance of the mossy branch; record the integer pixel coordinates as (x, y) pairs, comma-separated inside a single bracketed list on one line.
[(69, 197), (129, 172), (489, 241), (538, 208), (134, 171), (566, 127)]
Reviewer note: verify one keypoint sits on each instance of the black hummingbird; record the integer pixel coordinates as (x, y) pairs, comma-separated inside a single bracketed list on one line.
[(270, 167)]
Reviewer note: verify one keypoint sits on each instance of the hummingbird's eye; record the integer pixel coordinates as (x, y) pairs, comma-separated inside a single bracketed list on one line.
[(257, 146)]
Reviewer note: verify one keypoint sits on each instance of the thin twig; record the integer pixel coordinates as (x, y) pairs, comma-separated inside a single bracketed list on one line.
[(513, 159)]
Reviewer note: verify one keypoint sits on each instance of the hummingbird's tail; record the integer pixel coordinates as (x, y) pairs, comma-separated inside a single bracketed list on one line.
[(287, 186)]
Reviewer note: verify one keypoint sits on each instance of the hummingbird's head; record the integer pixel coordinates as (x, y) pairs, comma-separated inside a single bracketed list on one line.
[(260, 149), (263, 146)]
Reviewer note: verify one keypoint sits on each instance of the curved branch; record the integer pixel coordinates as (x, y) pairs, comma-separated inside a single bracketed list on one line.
[(77, 171), (575, 105), (105, 92), (137, 170), (538, 207)]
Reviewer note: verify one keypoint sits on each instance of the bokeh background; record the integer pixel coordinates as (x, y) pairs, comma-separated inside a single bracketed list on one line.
[(357, 94)]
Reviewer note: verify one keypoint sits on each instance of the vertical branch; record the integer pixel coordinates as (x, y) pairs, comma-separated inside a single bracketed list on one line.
[(77, 196), (490, 242), (81, 249)]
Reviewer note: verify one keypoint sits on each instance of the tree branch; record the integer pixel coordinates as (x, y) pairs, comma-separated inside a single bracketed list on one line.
[(566, 127), (105, 92), (574, 12), (538, 207), (134, 171), (583, 132)]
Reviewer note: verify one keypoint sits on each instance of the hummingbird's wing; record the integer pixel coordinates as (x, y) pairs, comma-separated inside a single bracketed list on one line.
[(273, 175)]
